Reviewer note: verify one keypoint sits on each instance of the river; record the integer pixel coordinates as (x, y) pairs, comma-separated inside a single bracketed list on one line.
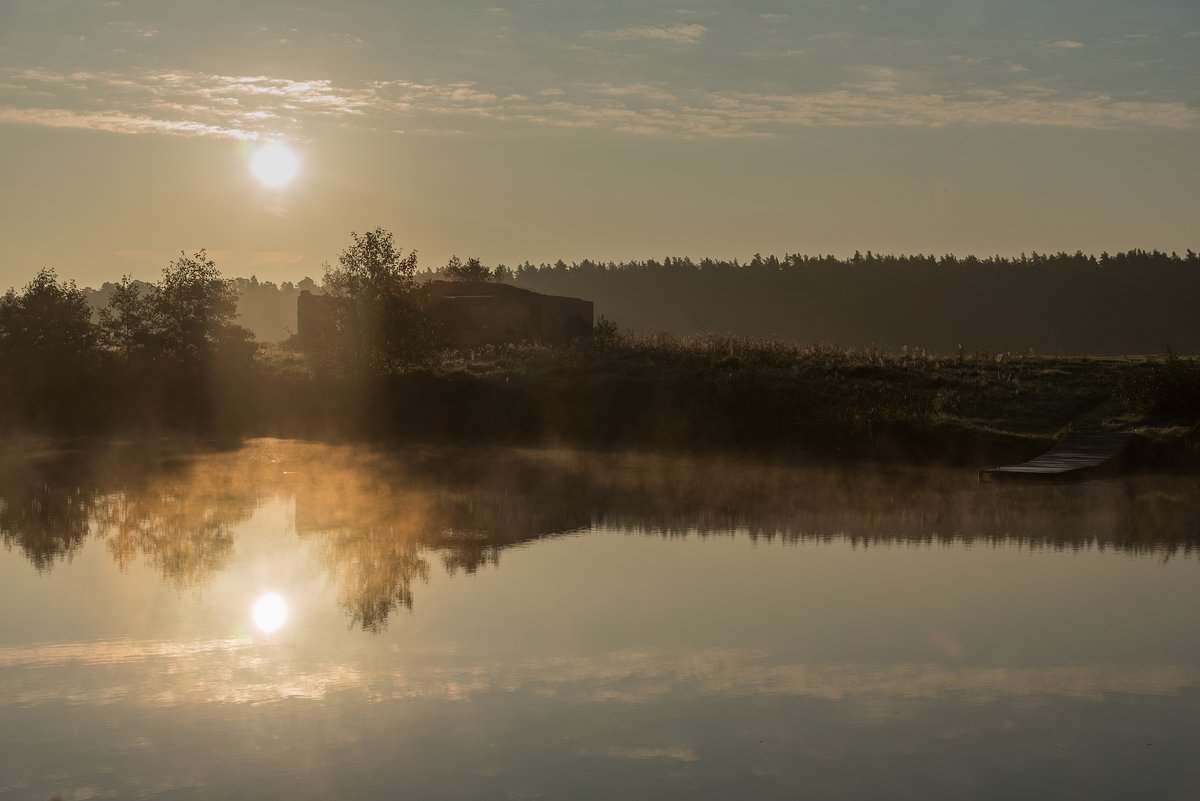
[(294, 620)]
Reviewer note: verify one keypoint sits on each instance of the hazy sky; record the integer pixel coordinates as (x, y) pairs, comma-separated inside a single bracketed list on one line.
[(529, 129)]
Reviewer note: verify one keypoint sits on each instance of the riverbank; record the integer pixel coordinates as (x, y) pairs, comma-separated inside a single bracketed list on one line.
[(720, 394), (658, 394)]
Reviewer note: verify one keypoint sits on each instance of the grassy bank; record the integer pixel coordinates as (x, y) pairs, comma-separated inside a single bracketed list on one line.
[(734, 395), (647, 393)]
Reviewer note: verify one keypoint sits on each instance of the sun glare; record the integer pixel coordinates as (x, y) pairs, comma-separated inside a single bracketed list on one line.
[(274, 165), (270, 612)]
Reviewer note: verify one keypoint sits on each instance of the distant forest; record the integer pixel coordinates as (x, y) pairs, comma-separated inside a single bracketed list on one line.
[(266, 308), (1132, 302)]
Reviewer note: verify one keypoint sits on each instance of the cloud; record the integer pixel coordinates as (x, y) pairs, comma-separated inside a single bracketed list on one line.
[(132, 29), (181, 103), (773, 54), (654, 111), (853, 108), (984, 61), (876, 79), (683, 33), (643, 91), (118, 122), (1065, 44), (1138, 38), (667, 753), (347, 40), (832, 36), (261, 106)]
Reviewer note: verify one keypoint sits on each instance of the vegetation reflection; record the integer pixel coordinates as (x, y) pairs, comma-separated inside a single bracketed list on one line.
[(377, 519)]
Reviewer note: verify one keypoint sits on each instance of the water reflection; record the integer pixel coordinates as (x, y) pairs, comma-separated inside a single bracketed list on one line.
[(376, 519), (949, 642), (176, 512), (269, 612)]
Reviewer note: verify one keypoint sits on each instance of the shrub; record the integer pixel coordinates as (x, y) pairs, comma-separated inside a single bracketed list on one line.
[(1164, 389)]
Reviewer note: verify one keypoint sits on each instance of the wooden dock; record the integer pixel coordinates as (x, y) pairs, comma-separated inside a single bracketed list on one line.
[(1077, 458)]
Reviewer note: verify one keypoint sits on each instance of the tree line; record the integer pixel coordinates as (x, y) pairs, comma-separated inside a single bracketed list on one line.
[(151, 344), (175, 350), (1064, 303), (268, 309)]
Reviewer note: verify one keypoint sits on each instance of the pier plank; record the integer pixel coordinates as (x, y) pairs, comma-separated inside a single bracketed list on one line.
[(1078, 457)]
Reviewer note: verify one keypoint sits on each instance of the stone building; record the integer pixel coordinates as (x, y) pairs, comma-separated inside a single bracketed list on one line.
[(473, 313)]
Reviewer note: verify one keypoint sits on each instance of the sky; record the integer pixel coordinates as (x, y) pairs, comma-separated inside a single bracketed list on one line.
[(520, 130)]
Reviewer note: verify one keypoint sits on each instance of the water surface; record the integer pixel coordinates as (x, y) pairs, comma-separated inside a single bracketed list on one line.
[(543, 624)]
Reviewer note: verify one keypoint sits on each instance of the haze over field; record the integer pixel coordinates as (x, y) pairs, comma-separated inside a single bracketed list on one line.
[(618, 130)]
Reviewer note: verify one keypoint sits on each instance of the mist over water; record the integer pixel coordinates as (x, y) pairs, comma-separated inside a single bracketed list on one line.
[(311, 618)]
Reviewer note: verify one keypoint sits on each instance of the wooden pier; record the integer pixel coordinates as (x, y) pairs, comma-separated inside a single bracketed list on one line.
[(1077, 458)]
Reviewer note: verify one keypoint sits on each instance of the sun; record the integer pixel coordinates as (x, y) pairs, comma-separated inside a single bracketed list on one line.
[(274, 165), (269, 612)]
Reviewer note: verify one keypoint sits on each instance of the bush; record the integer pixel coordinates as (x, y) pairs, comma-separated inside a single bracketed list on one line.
[(1168, 389)]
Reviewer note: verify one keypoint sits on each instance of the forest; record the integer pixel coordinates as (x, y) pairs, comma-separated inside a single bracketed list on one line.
[(1069, 304)]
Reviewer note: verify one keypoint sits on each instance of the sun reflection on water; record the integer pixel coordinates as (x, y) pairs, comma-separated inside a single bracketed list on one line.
[(270, 612)]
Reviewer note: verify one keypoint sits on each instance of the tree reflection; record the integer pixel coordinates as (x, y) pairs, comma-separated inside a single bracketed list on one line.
[(178, 515), (375, 516), (369, 534), (44, 512), (179, 521), (377, 519)]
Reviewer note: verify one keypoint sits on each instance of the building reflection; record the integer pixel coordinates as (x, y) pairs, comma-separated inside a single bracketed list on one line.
[(378, 520)]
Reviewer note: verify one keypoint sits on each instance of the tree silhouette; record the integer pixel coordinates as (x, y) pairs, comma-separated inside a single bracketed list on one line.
[(187, 319), (48, 352), (470, 270), (199, 309), (49, 319), (379, 326)]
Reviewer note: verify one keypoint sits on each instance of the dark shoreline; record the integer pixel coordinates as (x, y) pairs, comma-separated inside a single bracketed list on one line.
[(741, 398)]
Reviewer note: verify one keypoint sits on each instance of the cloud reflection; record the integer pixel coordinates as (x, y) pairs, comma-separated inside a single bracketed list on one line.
[(157, 674)]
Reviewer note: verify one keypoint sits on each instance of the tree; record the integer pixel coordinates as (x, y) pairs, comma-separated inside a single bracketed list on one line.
[(470, 270), (376, 308), (127, 321), (371, 267), (187, 319), (49, 354), (48, 320), (199, 311)]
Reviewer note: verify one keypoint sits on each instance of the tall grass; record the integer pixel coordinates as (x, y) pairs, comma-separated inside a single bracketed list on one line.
[(657, 392)]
